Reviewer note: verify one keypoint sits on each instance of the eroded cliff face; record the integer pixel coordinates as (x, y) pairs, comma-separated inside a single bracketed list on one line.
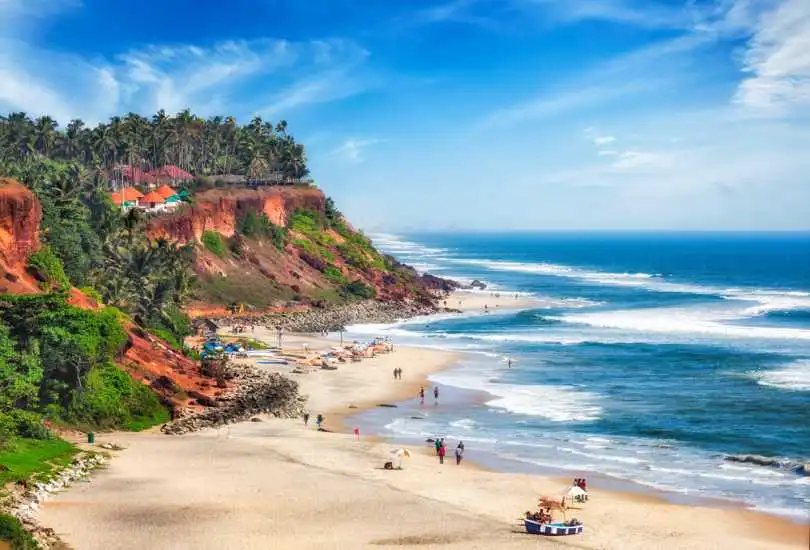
[(218, 210), (20, 214), (176, 378)]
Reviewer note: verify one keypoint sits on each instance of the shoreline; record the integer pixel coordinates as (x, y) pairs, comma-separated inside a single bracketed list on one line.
[(391, 394), (625, 488), (251, 484)]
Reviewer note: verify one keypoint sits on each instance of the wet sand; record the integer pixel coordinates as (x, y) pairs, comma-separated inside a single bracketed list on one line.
[(279, 484)]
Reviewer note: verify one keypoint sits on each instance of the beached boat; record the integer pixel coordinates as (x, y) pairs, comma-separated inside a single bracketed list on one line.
[(551, 529)]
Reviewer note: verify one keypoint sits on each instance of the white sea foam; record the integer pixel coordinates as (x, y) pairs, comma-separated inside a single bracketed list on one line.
[(795, 376), (696, 320)]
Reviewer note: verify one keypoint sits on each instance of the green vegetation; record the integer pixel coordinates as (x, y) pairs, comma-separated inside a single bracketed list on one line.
[(259, 150), (57, 361), (334, 275), (260, 226), (27, 457), (12, 532), (359, 289), (50, 267), (213, 242)]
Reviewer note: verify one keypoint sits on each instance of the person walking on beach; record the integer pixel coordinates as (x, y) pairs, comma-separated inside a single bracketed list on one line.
[(509, 362), (422, 395), (437, 444), (442, 452), (459, 453), (395, 374), (306, 418), (319, 421), (435, 395)]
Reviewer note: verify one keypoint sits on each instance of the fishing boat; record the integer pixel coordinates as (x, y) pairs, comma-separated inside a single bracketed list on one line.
[(551, 529)]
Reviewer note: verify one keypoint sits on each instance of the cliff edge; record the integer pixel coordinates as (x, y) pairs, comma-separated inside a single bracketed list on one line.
[(284, 247)]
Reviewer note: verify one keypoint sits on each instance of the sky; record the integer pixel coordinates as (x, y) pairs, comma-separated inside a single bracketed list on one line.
[(464, 114)]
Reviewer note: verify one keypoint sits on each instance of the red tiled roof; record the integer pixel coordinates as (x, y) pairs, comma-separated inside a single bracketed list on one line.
[(173, 172), (126, 194), (165, 191), (136, 175), (153, 197)]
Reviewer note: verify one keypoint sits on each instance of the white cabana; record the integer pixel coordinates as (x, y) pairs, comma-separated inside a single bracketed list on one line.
[(576, 492), (400, 454)]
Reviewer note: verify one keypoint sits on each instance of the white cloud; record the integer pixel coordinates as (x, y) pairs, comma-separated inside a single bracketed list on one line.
[(607, 153), (642, 160), (603, 140), (352, 150), (778, 60), (205, 78)]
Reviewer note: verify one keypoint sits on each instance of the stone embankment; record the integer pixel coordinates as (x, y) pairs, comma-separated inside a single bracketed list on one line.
[(25, 504), (255, 392), (334, 318)]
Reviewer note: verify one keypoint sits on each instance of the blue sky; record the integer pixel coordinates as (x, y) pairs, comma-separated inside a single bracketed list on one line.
[(464, 114)]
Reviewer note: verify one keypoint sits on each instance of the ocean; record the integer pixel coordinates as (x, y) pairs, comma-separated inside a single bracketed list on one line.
[(664, 360)]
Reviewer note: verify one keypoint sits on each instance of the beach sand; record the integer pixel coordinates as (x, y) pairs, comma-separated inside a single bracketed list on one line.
[(278, 484), (474, 300)]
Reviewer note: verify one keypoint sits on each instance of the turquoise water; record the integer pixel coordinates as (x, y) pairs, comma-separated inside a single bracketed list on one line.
[(654, 358)]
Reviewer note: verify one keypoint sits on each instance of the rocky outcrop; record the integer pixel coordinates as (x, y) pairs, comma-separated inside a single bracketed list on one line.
[(24, 503), (335, 317), (20, 214), (797, 467), (218, 210), (255, 392)]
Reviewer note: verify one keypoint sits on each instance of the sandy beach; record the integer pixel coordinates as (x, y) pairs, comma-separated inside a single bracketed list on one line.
[(279, 484)]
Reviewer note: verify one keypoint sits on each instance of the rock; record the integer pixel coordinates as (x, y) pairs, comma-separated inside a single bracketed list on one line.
[(255, 419), (478, 284), (386, 405)]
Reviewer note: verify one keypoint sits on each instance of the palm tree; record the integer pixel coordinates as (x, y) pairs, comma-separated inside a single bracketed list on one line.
[(72, 140), (45, 132)]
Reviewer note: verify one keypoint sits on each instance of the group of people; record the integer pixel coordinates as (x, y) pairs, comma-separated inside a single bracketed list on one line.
[(435, 395), (318, 420), (581, 483), (441, 450), (398, 373)]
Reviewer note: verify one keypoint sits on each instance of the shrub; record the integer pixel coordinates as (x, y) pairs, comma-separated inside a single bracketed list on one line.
[(111, 398), (92, 293), (50, 268), (214, 242), (333, 275), (12, 531), (359, 289), (306, 222)]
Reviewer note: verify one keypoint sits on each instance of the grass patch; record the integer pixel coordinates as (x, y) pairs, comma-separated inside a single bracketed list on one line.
[(254, 289), (213, 242), (24, 458), (12, 533)]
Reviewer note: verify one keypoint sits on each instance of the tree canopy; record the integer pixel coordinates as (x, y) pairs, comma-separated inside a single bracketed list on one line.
[(203, 147)]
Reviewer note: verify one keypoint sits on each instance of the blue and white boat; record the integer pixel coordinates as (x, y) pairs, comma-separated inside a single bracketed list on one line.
[(551, 529)]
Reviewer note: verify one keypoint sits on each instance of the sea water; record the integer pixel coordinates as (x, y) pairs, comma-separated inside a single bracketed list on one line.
[(661, 359)]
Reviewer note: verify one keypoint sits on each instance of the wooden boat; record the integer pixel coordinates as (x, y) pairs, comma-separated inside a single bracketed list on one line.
[(551, 529)]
